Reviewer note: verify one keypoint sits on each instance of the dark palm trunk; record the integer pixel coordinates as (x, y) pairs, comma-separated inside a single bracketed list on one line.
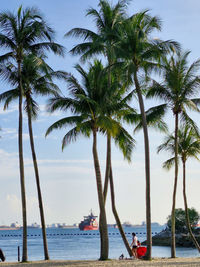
[(173, 239), (21, 167), (105, 188), (147, 167), (116, 215), (103, 221), (46, 255), (186, 211), (109, 172)]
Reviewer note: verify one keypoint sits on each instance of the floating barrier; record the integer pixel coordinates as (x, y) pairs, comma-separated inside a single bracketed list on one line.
[(71, 234)]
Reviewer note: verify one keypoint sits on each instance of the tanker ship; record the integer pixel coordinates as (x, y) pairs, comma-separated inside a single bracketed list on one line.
[(89, 222)]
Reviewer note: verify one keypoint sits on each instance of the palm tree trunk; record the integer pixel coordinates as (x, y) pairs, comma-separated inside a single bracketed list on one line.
[(103, 221), (46, 255), (107, 174), (186, 211), (21, 167), (173, 239), (147, 167), (116, 215)]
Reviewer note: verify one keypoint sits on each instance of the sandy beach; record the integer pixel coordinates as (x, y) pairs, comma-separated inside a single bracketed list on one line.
[(157, 262)]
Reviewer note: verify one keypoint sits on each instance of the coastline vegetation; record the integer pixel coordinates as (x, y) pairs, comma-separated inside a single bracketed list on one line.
[(105, 98)]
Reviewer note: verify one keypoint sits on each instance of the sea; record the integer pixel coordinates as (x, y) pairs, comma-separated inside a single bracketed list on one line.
[(73, 244)]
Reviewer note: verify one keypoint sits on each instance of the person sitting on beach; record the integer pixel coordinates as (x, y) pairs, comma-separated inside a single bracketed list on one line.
[(134, 245), (121, 257)]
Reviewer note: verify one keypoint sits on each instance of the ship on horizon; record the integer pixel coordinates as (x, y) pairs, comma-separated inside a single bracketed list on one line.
[(89, 222)]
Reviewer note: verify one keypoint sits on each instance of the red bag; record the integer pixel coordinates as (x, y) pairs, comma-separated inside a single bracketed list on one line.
[(141, 251)]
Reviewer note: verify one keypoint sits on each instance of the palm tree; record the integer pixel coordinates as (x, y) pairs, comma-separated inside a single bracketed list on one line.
[(140, 55), (116, 107), (179, 85), (87, 118), (21, 33), (107, 20), (36, 79), (188, 146)]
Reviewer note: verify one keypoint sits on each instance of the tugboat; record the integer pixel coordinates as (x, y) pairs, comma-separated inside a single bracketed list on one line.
[(89, 222)]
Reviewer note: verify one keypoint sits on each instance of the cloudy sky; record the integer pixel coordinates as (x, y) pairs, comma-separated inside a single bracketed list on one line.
[(67, 178)]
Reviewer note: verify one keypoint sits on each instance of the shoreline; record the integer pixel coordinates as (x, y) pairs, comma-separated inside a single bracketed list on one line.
[(156, 262)]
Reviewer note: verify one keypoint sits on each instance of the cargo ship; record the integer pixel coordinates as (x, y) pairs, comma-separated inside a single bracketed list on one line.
[(89, 222)]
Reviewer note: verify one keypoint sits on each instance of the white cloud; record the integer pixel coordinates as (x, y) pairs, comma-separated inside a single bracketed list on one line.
[(9, 131)]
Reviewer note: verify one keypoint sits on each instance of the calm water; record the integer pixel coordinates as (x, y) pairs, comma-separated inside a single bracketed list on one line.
[(73, 244)]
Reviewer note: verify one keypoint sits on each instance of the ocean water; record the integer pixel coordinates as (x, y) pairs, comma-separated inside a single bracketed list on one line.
[(73, 244)]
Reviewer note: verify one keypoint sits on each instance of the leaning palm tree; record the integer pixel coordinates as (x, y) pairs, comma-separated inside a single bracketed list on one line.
[(140, 55), (188, 146), (87, 119), (36, 80), (180, 84), (20, 33)]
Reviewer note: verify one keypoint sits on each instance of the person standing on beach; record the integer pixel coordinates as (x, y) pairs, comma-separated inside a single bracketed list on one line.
[(134, 245)]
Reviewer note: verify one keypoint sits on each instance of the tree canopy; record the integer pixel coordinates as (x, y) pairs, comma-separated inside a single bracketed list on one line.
[(180, 222)]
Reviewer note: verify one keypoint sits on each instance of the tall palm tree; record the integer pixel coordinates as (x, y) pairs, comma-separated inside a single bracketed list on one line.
[(87, 119), (180, 84), (188, 146), (107, 20), (140, 54), (36, 79), (20, 33)]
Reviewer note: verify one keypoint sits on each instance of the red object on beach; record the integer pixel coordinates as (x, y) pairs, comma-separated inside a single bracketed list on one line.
[(141, 251)]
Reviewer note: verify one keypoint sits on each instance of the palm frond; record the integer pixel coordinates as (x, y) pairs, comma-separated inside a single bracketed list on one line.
[(9, 96), (62, 103), (71, 136), (82, 33), (65, 122), (169, 163), (125, 142), (33, 107), (154, 119), (185, 118), (48, 46)]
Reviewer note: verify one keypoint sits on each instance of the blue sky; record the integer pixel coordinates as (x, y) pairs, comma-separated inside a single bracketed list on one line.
[(67, 178)]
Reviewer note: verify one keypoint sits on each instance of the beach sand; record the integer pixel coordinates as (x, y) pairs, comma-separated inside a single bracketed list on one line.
[(157, 262)]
